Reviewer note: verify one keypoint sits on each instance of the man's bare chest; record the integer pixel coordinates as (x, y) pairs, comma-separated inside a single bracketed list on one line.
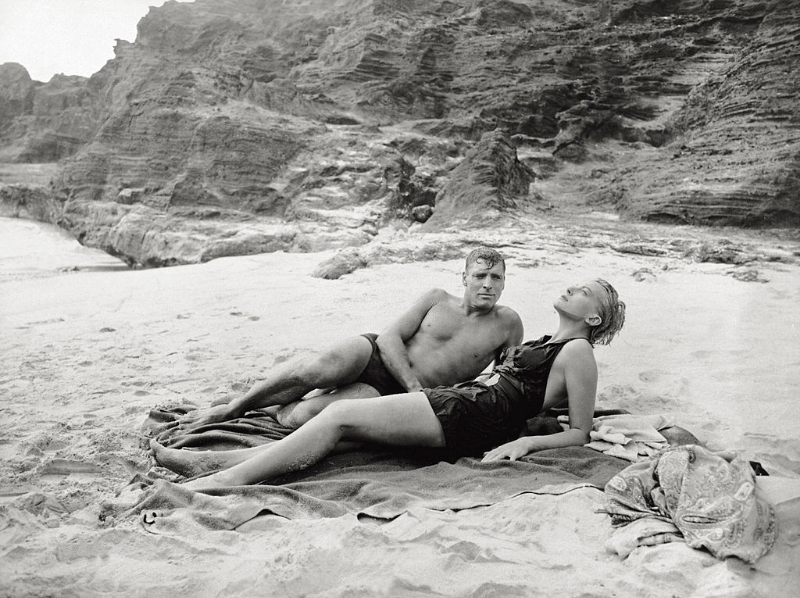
[(446, 326)]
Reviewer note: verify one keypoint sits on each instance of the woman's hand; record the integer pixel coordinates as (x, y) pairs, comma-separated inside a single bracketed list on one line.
[(510, 450)]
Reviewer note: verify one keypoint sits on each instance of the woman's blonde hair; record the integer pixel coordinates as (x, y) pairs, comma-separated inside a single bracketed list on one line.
[(612, 315)]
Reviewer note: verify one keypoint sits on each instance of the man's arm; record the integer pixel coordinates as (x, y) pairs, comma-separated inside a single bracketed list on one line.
[(580, 378), (391, 341), (226, 411)]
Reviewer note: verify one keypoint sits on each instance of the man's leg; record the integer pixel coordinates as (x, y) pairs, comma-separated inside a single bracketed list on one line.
[(296, 413), (338, 365)]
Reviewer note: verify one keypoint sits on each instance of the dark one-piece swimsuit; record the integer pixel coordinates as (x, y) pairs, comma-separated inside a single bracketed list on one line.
[(478, 416)]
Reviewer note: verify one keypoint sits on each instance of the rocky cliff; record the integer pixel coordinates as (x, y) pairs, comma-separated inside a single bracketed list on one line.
[(239, 126)]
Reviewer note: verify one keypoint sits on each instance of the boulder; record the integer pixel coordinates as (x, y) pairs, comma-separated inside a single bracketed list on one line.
[(343, 262)]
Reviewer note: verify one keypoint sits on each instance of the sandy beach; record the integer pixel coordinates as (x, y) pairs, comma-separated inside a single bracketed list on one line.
[(89, 347)]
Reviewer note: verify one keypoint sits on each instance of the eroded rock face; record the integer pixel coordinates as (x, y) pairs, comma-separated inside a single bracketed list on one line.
[(489, 180), (16, 93), (735, 155), (253, 125), (45, 122)]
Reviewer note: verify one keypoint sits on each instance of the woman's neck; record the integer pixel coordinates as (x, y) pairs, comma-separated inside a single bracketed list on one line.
[(570, 329)]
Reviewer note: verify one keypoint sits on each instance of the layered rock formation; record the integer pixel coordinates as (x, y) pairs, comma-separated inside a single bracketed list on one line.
[(735, 155), (238, 126), (42, 123)]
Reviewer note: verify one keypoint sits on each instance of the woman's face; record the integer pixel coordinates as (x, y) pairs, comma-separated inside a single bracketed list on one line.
[(581, 301)]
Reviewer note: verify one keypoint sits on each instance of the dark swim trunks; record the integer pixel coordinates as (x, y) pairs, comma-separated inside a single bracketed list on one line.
[(478, 416), (376, 374)]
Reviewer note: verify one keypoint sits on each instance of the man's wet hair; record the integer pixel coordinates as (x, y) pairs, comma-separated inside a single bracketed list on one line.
[(612, 314), (488, 256)]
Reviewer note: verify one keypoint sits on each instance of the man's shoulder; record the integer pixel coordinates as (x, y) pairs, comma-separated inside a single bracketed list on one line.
[(437, 295), (438, 292), (506, 312), (510, 324), (507, 315)]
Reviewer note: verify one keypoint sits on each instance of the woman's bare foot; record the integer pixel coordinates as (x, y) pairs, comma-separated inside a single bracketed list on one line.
[(185, 462)]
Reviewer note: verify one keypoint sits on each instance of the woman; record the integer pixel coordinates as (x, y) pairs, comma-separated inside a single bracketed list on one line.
[(469, 419)]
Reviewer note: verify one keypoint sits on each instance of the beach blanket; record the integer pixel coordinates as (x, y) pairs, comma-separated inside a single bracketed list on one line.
[(371, 482), (707, 499)]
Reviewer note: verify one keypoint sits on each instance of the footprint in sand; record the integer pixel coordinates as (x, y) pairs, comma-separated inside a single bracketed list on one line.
[(198, 355), (40, 504), (284, 357), (239, 313), (58, 469), (644, 275), (68, 466), (651, 375)]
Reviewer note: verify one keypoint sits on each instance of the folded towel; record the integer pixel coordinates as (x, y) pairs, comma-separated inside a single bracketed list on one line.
[(629, 437)]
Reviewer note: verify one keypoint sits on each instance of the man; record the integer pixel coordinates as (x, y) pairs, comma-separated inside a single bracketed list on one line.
[(441, 340)]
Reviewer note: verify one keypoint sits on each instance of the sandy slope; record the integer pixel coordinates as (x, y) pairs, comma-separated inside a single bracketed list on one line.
[(87, 352)]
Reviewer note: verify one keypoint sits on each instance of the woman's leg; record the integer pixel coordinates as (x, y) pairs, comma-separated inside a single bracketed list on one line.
[(395, 420), (192, 463)]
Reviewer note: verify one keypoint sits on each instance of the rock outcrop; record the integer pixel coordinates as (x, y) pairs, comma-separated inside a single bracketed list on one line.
[(489, 181), (735, 155), (237, 126), (41, 123)]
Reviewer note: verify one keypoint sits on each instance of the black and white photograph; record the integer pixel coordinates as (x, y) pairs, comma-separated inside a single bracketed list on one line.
[(400, 298)]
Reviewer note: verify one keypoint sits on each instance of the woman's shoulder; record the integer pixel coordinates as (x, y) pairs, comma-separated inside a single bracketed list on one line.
[(578, 350)]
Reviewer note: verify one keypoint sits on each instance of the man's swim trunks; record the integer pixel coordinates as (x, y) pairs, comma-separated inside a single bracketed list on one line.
[(376, 374), (478, 416)]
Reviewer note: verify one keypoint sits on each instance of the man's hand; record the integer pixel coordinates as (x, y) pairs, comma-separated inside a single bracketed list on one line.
[(202, 417), (510, 450)]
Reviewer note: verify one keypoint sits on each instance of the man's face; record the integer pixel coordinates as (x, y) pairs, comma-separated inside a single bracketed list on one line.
[(484, 285)]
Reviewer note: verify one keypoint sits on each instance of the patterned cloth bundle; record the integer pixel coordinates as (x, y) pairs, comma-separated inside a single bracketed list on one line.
[(709, 500)]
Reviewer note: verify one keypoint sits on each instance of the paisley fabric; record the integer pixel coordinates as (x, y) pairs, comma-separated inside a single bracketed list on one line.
[(712, 501)]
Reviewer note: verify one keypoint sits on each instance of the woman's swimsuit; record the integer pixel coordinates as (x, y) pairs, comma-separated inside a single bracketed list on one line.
[(477, 416)]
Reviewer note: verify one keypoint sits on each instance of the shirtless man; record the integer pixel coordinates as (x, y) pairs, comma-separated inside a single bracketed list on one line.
[(441, 340)]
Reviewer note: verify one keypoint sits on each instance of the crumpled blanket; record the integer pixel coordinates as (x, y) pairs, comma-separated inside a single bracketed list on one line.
[(630, 437), (707, 499), (374, 482)]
